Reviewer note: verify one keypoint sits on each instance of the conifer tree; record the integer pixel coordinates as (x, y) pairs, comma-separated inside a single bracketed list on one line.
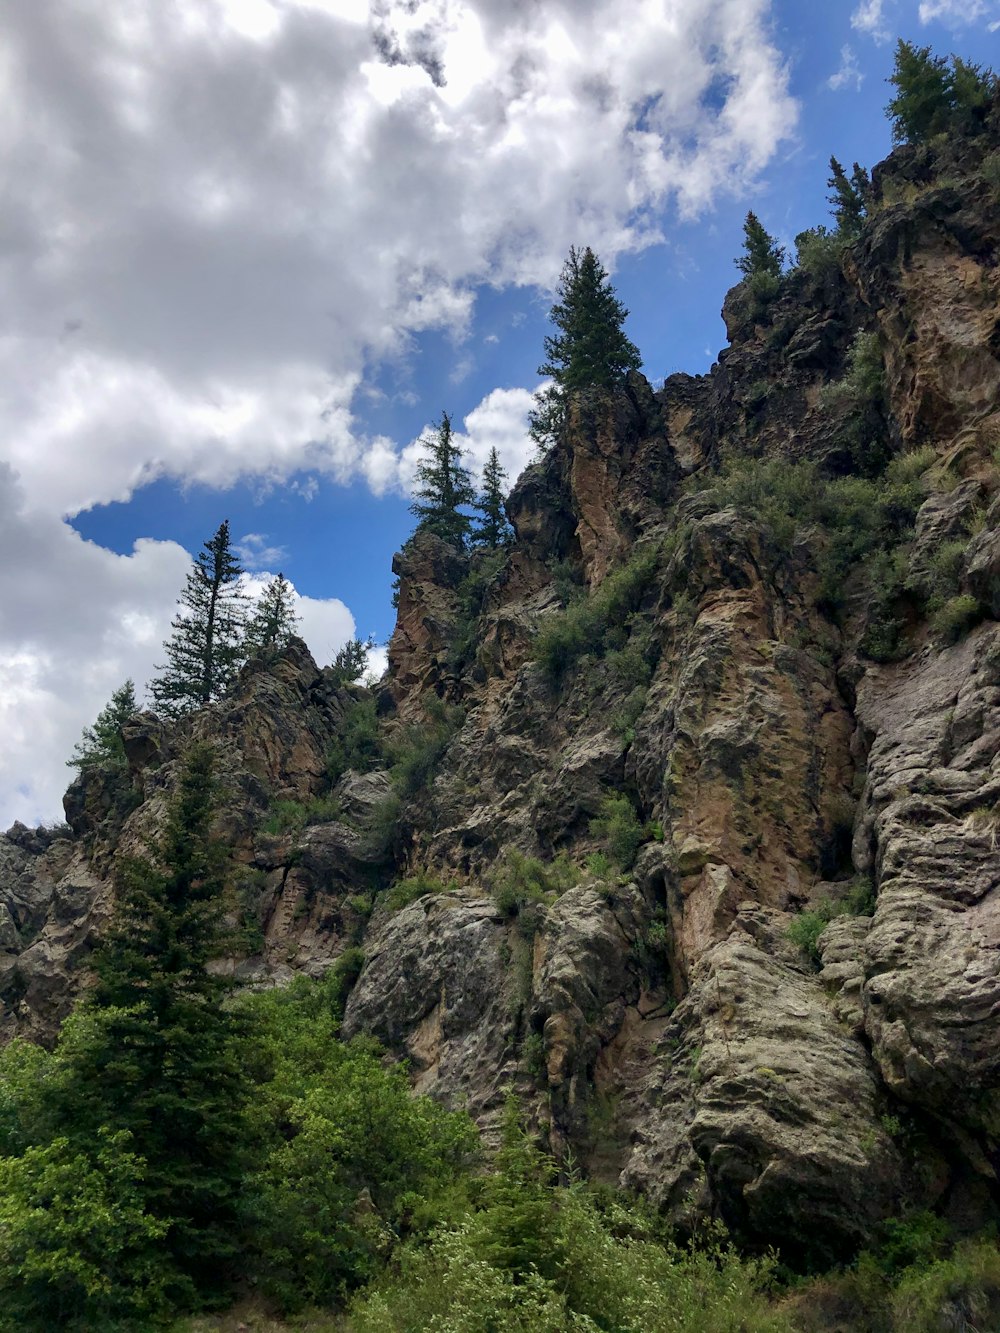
[(102, 743), (206, 647), (443, 487), (273, 621), (351, 660), (848, 198), (923, 93), (153, 1053), (761, 253), (590, 351), (493, 529)]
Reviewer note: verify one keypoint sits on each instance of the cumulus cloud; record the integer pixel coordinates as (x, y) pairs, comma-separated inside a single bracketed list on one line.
[(869, 18), (76, 621), (957, 13), (848, 74), (221, 213)]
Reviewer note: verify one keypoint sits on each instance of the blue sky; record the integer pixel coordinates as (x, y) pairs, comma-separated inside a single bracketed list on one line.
[(256, 246)]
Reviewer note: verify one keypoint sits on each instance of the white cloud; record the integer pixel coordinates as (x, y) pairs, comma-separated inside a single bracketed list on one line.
[(957, 13), (220, 213), (848, 74), (253, 552), (869, 18)]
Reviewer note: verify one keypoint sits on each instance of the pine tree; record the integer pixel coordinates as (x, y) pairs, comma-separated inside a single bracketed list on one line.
[(102, 743), (443, 488), (761, 253), (934, 94), (849, 197), (590, 351), (351, 660), (153, 1052), (206, 647), (274, 620), (493, 529)]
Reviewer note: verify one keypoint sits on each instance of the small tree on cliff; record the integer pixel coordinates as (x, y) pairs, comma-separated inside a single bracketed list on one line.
[(102, 743), (590, 350), (492, 530), (934, 94), (761, 252), (206, 647), (443, 487), (274, 620), (848, 197)]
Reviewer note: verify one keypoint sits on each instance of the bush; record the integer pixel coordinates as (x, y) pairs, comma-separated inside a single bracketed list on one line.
[(597, 624), (618, 825), (962, 1292), (417, 750), (860, 401), (358, 746), (818, 253), (406, 891), (806, 928), (292, 816), (520, 880), (955, 617)]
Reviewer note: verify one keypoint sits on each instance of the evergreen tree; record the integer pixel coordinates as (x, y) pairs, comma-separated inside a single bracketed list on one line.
[(351, 661), (443, 487), (274, 620), (206, 647), (493, 529), (153, 1053), (590, 351), (102, 743), (849, 197), (761, 253), (934, 94)]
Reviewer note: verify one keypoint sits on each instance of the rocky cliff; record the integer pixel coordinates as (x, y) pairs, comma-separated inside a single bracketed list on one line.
[(681, 815)]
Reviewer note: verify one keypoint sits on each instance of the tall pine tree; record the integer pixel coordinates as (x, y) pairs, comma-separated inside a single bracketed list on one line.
[(848, 197), (443, 488), (206, 647), (154, 1052), (590, 351), (492, 529), (273, 621), (761, 252)]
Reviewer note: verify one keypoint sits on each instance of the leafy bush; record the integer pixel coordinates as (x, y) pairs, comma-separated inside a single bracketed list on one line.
[(520, 880), (406, 891), (962, 1291), (860, 400), (291, 816), (957, 615), (358, 746), (416, 751), (618, 825), (806, 928), (597, 624), (818, 253)]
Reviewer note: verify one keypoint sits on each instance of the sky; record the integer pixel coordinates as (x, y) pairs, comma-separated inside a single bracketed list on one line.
[(251, 249)]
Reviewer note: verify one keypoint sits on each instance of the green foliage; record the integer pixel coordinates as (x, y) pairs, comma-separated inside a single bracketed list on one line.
[(848, 198), (761, 253), (406, 891), (806, 928), (520, 880), (935, 95), (442, 488), (590, 351), (416, 750), (955, 617), (358, 745), (291, 816), (484, 565), (273, 621), (962, 1291), (818, 252), (206, 647), (599, 623), (351, 661), (102, 743), (492, 529), (860, 401), (619, 827), (347, 1153), (533, 1256), (78, 1247)]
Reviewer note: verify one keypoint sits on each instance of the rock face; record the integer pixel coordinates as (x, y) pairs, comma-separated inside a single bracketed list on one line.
[(660, 1023)]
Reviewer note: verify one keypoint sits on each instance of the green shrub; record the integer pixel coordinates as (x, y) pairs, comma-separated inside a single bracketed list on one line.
[(955, 617), (818, 253), (358, 746), (292, 816), (406, 891), (520, 880), (416, 751), (619, 827), (805, 929), (597, 624), (961, 1292)]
